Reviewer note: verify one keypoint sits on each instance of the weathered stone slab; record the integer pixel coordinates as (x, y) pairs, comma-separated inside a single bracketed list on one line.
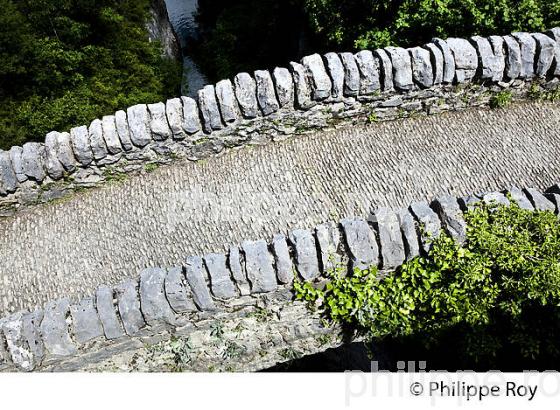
[(402, 68), (284, 84), (513, 58), (17, 163), (8, 180), (539, 201), (211, 118), (64, 151), (390, 238), (178, 291), (302, 87), (555, 35), (385, 69), (236, 266), (335, 68), (107, 313), (282, 259), (491, 57), (129, 307), (307, 263), (194, 272), (96, 140), (466, 59), (138, 125), (53, 166), (54, 329), (246, 93), (86, 322), (422, 70), (191, 119), (409, 233), (153, 303), (220, 277), (31, 333), (227, 101), (430, 225), (528, 47), (496, 198), (436, 58), (361, 242), (351, 75), (369, 72), (448, 60), (174, 112), (20, 353), (451, 216), (110, 134), (258, 265), (546, 51), (328, 241), (158, 122), (321, 83), (266, 95), (33, 157), (520, 198), (123, 130)]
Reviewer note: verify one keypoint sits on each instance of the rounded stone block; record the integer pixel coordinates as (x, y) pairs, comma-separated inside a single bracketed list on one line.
[(351, 75), (33, 158), (402, 68), (52, 165), (466, 59), (246, 94), (123, 130), (284, 84), (158, 122), (191, 118), (307, 262), (96, 140), (138, 123), (369, 72), (302, 87), (321, 82), (422, 71), (335, 69), (208, 104), (8, 180), (227, 102), (174, 112), (266, 96), (110, 134), (80, 144)]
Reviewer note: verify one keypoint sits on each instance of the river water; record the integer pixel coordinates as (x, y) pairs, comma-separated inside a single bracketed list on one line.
[(182, 14)]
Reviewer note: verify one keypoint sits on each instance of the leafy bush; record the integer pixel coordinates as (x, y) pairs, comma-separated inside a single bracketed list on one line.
[(492, 291)]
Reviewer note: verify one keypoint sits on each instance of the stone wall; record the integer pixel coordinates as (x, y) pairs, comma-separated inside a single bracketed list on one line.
[(318, 92), (234, 310)]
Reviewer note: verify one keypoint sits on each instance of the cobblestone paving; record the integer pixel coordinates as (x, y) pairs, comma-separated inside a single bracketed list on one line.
[(104, 235)]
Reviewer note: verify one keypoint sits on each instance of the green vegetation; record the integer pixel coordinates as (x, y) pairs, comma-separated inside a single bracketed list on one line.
[(495, 299), (66, 62), (501, 99)]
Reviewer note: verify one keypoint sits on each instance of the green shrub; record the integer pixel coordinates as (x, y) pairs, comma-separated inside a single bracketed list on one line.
[(501, 99)]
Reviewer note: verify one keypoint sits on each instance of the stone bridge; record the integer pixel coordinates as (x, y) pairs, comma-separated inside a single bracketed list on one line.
[(265, 178)]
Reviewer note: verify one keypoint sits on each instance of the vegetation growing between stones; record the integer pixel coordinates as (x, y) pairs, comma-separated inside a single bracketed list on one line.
[(497, 296), (501, 99)]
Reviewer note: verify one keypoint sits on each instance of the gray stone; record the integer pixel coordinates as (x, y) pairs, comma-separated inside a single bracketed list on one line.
[(555, 35), (283, 261), (17, 345), (153, 302), (335, 69), (539, 201), (33, 156), (54, 329), (513, 58), (85, 320), (302, 87), (107, 313), (17, 163), (8, 180), (361, 242), (178, 291), (258, 265), (138, 125), (466, 59), (96, 140), (409, 233), (110, 134), (436, 58), (80, 144), (31, 332), (158, 122), (328, 241), (321, 83), (194, 272), (528, 47), (53, 166), (307, 262), (246, 93), (64, 151), (402, 68), (369, 72), (123, 130), (391, 243), (448, 60), (491, 57), (191, 118), (227, 101), (546, 51), (284, 84), (451, 217), (129, 307), (422, 71), (211, 118), (266, 96), (495, 198), (220, 277), (174, 112), (520, 198), (385, 69), (428, 221), (351, 75), (238, 271)]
